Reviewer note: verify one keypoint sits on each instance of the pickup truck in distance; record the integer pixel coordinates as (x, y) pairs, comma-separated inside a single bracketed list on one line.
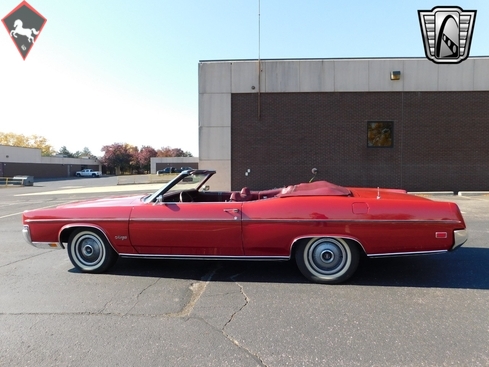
[(88, 173)]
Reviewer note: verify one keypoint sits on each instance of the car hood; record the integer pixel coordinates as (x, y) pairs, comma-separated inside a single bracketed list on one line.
[(106, 202)]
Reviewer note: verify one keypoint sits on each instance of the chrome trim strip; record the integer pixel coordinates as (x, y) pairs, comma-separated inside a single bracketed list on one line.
[(204, 257), (349, 221), (48, 245), (460, 236), (413, 253), (77, 220)]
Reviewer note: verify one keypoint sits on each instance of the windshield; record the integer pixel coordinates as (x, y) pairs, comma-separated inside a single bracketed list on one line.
[(187, 180)]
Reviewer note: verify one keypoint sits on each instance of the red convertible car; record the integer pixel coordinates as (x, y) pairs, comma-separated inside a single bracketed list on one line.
[(325, 228)]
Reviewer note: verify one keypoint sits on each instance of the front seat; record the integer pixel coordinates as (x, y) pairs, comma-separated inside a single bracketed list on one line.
[(243, 195)]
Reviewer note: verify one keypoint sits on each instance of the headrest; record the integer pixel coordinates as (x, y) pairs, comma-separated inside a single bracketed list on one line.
[(245, 191)]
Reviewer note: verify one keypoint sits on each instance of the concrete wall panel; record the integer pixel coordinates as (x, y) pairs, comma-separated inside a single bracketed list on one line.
[(215, 143), (351, 75), (453, 77), (420, 75), (215, 77), (481, 74), (379, 79), (317, 76), (244, 77), (215, 109), (281, 76)]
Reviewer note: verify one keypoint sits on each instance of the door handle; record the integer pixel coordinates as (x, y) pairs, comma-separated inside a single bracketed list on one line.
[(231, 210)]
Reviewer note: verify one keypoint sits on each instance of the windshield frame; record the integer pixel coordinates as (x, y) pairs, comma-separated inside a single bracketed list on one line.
[(166, 188)]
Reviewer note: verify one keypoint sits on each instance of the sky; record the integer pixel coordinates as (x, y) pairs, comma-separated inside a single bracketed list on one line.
[(126, 71)]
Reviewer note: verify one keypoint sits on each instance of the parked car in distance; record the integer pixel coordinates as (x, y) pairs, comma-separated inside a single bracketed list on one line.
[(88, 173), (166, 170), (324, 228)]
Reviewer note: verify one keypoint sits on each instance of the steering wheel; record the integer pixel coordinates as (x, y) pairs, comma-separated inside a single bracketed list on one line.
[(185, 197)]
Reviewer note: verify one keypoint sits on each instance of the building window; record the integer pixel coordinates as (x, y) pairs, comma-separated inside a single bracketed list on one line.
[(380, 134)]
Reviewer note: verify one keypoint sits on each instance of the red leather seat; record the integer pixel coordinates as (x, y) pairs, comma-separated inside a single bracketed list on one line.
[(244, 195)]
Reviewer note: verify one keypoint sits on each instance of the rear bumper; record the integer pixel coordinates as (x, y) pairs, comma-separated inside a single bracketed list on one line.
[(460, 237)]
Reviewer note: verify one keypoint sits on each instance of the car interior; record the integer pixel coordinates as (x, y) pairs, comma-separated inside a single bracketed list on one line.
[(245, 194)]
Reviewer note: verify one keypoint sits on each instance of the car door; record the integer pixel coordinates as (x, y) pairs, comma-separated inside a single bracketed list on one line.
[(188, 229)]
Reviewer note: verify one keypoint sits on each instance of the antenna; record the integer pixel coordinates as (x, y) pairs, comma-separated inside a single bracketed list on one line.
[(259, 61), (314, 172)]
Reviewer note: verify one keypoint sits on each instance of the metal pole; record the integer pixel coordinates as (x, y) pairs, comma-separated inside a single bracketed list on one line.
[(259, 61)]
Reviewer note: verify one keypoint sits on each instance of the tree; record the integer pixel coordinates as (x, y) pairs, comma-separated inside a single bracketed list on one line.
[(86, 153), (66, 153), (172, 152), (63, 151), (134, 160), (144, 157), (117, 157), (32, 141)]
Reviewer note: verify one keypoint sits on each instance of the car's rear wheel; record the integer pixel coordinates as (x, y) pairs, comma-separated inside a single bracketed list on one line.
[(90, 252), (327, 260)]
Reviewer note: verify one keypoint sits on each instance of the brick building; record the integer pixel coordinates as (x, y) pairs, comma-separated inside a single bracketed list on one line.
[(349, 118)]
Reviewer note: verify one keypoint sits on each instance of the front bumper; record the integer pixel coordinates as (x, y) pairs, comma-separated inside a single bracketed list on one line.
[(26, 233)]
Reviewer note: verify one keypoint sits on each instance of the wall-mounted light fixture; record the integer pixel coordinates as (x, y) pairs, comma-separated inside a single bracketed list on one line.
[(395, 75)]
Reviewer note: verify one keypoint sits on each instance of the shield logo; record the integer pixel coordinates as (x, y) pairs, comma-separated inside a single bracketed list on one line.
[(447, 33), (24, 25)]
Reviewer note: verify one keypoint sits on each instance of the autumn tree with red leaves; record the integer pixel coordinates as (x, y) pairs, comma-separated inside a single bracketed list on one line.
[(125, 158), (144, 157), (117, 157)]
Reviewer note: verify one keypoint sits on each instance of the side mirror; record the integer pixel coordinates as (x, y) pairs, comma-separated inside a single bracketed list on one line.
[(207, 188)]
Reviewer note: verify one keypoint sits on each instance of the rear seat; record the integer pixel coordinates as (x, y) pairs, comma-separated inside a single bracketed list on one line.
[(268, 193), (246, 195)]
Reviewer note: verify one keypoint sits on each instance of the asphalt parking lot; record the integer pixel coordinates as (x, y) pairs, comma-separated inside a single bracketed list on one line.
[(411, 311)]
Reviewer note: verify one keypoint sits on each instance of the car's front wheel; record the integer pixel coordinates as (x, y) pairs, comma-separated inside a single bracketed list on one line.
[(90, 252), (327, 260)]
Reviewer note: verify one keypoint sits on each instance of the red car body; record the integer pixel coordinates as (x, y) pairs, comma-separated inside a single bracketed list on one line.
[(323, 226)]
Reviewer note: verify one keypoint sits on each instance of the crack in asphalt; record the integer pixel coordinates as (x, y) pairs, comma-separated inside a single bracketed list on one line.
[(137, 297), (229, 337), (197, 288), (27, 258), (246, 302)]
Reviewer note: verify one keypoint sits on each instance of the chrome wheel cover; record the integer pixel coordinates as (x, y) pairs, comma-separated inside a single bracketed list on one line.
[(327, 257), (88, 250)]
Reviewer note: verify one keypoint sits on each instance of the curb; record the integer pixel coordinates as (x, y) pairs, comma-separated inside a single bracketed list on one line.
[(473, 193), (431, 193)]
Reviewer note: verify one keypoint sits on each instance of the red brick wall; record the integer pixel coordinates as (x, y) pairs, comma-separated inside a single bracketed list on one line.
[(440, 139)]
